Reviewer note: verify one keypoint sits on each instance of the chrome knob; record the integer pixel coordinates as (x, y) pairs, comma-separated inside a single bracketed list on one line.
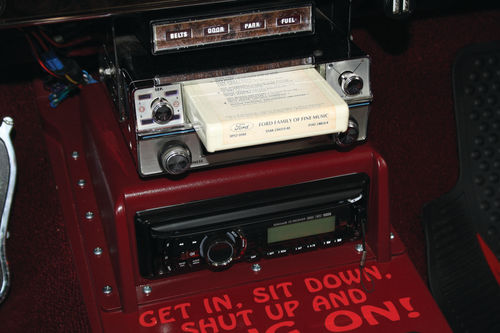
[(175, 158), (162, 111), (351, 83)]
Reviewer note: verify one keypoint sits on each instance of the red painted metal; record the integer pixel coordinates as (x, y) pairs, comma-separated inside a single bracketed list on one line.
[(114, 192), (392, 298), (490, 257)]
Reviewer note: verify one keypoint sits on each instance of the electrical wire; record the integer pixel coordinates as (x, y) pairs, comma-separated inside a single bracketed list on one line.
[(75, 42), (49, 60), (39, 60), (70, 79), (40, 41)]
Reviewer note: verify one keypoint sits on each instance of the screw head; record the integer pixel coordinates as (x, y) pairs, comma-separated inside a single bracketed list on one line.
[(81, 183), (89, 215), (256, 267), (75, 155), (107, 290), (147, 290), (97, 251), (358, 247)]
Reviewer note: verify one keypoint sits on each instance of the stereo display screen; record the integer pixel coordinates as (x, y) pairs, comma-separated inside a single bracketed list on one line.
[(301, 229)]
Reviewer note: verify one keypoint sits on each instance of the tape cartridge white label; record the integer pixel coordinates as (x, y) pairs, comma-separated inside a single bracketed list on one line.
[(245, 110)]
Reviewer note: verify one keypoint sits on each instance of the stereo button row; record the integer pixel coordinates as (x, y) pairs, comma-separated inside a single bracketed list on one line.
[(190, 260), (180, 266), (184, 244), (299, 248), (276, 252)]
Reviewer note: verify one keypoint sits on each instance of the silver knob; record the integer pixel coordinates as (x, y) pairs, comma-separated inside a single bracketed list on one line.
[(162, 111), (351, 83), (219, 253), (175, 159)]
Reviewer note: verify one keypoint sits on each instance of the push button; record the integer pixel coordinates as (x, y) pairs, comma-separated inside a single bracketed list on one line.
[(182, 265), (298, 248), (168, 268), (338, 241), (195, 263), (311, 246), (327, 242), (161, 270), (270, 253), (189, 254), (281, 252), (251, 256)]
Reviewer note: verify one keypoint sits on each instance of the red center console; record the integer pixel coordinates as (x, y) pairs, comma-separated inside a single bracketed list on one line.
[(360, 281)]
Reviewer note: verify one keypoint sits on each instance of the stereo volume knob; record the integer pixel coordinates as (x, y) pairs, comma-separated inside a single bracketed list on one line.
[(351, 83), (162, 111), (175, 158), (219, 251)]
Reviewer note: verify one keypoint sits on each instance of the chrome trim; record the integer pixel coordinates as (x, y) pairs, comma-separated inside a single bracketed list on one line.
[(5, 130)]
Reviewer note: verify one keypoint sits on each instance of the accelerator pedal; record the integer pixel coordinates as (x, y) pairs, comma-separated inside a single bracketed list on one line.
[(463, 222)]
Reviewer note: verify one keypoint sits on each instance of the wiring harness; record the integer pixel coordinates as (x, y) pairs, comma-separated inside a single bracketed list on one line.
[(65, 76)]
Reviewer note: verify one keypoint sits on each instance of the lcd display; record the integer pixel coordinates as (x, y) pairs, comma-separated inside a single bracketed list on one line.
[(301, 229)]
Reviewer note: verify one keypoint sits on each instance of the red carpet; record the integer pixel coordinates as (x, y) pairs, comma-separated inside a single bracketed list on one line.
[(45, 293), (411, 124)]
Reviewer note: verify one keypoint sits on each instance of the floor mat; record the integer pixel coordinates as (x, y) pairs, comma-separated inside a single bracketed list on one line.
[(459, 276)]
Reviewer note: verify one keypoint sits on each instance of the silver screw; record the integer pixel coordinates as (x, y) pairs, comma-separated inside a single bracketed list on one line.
[(89, 215), (358, 247), (81, 183), (75, 155), (107, 290), (146, 290), (256, 267), (97, 251), (392, 236), (107, 71)]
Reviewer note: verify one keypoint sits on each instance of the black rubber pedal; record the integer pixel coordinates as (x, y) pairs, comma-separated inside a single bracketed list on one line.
[(459, 276)]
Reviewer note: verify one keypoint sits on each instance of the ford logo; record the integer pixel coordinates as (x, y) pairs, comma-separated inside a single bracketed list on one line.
[(241, 127)]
